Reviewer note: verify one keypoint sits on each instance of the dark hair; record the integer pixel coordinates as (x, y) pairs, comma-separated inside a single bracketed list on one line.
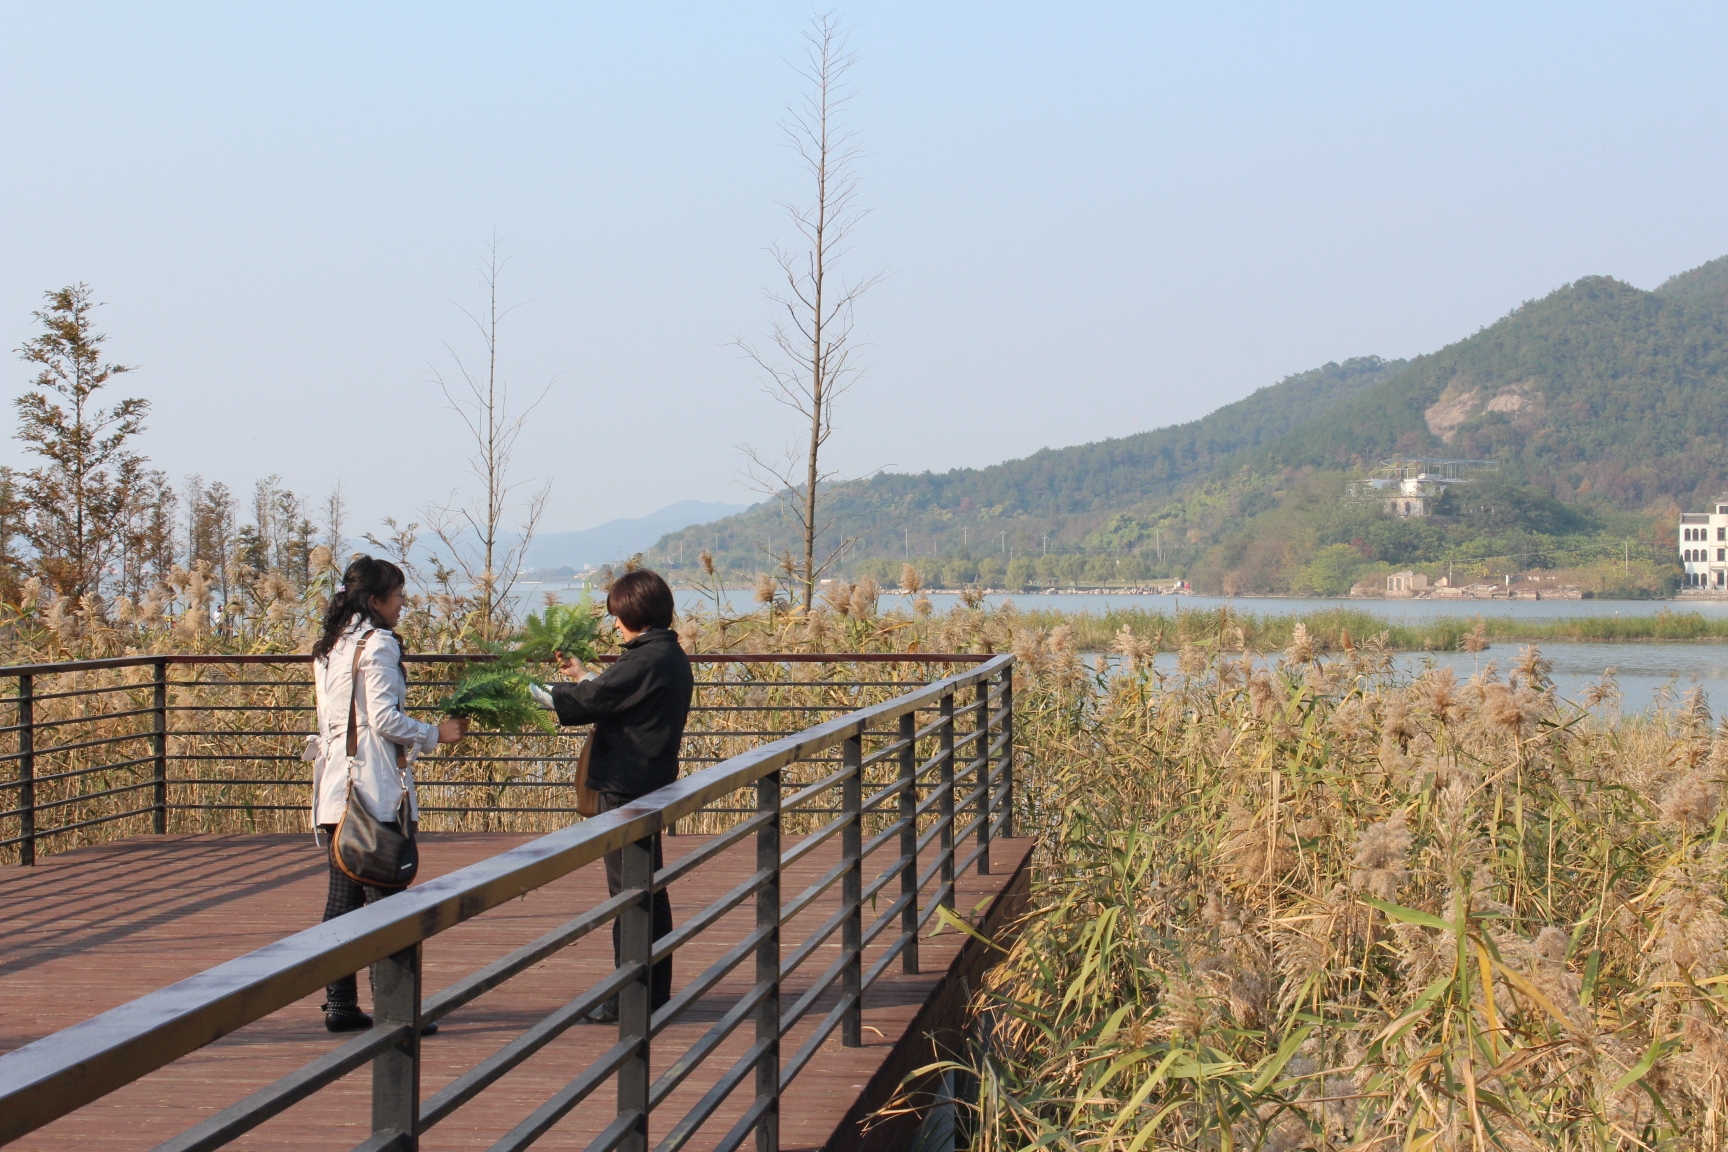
[(640, 600), (365, 581)]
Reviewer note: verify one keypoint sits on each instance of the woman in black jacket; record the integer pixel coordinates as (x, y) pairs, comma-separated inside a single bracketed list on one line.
[(638, 707)]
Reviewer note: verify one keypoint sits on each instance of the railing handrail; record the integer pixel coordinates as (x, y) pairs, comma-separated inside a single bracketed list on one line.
[(59, 1073), (482, 657)]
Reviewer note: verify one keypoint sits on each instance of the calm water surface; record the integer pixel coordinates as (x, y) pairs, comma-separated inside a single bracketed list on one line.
[(1647, 672)]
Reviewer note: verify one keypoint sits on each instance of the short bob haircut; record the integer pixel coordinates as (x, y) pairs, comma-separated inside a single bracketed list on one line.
[(640, 600)]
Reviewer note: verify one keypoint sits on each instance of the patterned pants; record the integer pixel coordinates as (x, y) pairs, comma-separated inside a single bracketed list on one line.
[(346, 895)]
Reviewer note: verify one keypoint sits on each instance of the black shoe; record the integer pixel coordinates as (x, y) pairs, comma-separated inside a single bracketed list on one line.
[(429, 1027), (345, 1018), (607, 1013)]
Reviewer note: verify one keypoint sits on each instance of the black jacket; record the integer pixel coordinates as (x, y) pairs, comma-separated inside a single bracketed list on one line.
[(638, 707)]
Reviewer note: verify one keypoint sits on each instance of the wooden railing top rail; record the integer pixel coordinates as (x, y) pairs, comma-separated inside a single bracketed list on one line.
[(57, 1074)]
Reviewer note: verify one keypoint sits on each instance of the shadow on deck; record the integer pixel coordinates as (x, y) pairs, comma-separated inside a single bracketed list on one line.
[(93, 928)]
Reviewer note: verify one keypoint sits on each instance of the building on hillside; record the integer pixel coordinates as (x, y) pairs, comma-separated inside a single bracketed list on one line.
[(1406, 584), (1415, 485), (1703, 543)]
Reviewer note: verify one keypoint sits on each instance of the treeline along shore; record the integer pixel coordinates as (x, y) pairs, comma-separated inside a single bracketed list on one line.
[(1338, 628)]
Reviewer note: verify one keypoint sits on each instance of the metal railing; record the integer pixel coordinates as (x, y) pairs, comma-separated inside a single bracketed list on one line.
[(927, 776), (152, 744)]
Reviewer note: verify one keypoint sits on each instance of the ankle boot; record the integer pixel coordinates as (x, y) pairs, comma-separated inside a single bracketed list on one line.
[(345, 1018)]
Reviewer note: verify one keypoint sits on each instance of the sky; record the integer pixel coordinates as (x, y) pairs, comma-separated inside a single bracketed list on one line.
[(1088, 220)]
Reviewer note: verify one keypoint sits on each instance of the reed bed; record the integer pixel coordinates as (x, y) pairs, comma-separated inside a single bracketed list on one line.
[(1319, 907), (1095, 632)]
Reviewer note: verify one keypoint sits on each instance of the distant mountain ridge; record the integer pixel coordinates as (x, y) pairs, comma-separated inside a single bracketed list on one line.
[(1599, 396), (622, 538), (1066, 492)]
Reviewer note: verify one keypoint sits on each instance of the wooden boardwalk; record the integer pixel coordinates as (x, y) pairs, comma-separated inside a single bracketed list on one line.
[(93, 928)]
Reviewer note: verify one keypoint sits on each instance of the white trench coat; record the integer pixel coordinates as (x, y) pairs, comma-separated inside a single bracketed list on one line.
[(381, 723)]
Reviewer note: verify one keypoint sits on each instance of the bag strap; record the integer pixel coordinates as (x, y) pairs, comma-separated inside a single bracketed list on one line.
[(354, 695)]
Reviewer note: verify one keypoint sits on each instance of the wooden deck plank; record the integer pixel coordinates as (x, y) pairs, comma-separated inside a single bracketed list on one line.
[(93, 928)]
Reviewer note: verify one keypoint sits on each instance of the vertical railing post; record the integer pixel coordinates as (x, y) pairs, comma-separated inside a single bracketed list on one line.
[(396, 1071), (768, 962), (636, 946), (981, 778), (945, 805), (159, 746), (852, 890), (1008, 750), (27, 769), (909, 842)]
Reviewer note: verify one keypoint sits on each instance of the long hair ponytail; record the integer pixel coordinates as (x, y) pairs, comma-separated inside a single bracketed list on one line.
[(365, 581)]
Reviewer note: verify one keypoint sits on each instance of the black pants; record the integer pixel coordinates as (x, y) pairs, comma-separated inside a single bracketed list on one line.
[(346, 895), (660, 980)]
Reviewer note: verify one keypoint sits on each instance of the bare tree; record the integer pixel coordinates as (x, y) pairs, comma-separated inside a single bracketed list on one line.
[(335, 525), (486, 543), (810, 358)]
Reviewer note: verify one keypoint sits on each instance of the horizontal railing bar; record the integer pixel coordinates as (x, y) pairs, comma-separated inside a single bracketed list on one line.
[(242, 707), (540, 1121), (742, 1127), (684, 933), (71, 772), (86, 718), (232, 755), (889, 916), (937, 899), (789, 1019), (712, 1099), (525, 957), (772, 708), (694, 1056), (817, 788), (884, 793), (545, 1030), (42, 833), (882, 880), (614, 1133), (56, 1074), (301, 733), (813, 841), (792, 963), (923, 843), (804, 899), (973, 855), (82, 744), (883, 837), (676, 870), (241, 1118), (887, 957), (791, 1068), (44, 806), (891, 749), (712, 975), (73, 693), (932, 728)]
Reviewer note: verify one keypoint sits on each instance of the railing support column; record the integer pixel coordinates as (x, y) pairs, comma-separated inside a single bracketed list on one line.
[(945, 806), (636, 945), (159, 746), (981, 777), (396, 1072), (852, 890), (27, 769), (909, 842), (1008, 750), (768, 963)]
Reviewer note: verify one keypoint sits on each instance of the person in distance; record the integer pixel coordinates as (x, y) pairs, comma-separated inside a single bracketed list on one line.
[(638, 707), (365, 610)]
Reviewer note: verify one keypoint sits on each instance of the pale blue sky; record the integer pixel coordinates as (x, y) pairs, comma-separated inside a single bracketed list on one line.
[(1096, 219)]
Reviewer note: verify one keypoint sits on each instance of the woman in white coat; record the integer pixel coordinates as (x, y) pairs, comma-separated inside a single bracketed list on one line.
[(363, 614)]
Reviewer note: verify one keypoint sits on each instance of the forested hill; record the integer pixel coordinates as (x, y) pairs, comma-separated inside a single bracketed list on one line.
[(1066, 492), (1599, 400), (1601, 393)]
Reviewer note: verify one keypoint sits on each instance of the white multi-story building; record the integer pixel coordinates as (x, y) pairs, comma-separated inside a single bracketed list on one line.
[(1703, 545)]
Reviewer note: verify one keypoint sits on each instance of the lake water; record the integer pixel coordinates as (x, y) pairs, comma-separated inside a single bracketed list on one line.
[(743, 600), (1645, 671)]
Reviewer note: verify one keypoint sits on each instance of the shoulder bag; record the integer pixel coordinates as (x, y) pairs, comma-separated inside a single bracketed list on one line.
[(367, 850)]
